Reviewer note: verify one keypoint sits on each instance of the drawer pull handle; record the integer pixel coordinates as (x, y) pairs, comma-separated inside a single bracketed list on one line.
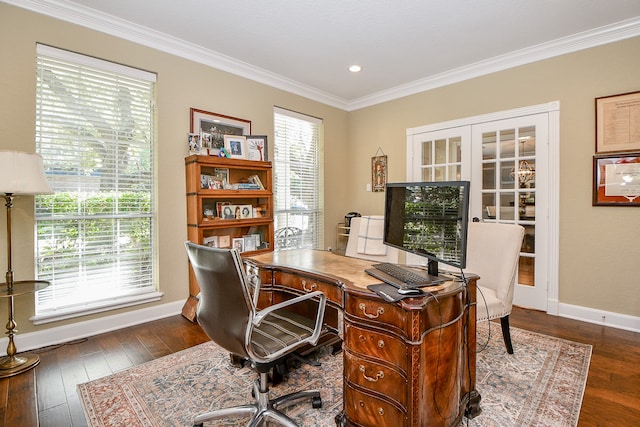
[(380, 411), (379, 312), (379, 375), (310, 288), (381, 344)]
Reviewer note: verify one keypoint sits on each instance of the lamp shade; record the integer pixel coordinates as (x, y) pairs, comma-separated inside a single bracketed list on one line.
[(22, 173)]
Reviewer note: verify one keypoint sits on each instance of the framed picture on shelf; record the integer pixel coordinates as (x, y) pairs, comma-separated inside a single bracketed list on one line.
[(211, 241), (250, 243), (238, 243), (257, 148), (217, 126), (223, 174), (617, 123), (236, 146), (204, 181), (193, 140), (255, 236), (616, 179), (208, 211), (224, 241), (228, 211), (205, 142), (219, 207), (246, 211)]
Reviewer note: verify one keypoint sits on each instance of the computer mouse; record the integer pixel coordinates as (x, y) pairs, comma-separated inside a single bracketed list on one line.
[(409, 291)]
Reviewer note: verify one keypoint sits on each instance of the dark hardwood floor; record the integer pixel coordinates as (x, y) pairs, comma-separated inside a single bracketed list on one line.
[(47, 396)]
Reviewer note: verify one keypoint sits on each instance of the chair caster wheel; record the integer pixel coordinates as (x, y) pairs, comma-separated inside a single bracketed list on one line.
[(316, 402)]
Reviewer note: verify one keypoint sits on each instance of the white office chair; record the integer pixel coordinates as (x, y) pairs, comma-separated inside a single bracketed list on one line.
[(365, 240), (493, 251)]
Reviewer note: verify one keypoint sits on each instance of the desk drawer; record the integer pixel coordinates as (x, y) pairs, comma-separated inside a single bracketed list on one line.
[(306, 284), (367, 410), (376, 377), (376, 345), (389, 316)]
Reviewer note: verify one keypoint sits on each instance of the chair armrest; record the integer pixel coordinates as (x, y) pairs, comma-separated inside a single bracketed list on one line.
[(255, 282), (322, 301)]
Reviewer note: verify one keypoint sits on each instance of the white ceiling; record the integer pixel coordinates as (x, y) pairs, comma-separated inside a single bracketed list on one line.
[(404, 46)]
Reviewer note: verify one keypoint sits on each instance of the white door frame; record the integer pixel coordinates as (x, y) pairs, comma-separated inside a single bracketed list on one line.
[(553, 162)]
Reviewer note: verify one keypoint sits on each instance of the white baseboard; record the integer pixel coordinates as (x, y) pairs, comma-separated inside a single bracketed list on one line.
[(62, 334), (66, 333), (599, 317)]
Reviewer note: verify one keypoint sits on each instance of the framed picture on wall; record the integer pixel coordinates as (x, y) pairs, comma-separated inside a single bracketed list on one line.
[(216, 126), (378, 173), (618, 123), (616, 179)]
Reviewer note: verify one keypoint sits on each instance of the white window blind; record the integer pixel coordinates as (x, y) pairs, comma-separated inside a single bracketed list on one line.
[(297, 181), (94, 130)]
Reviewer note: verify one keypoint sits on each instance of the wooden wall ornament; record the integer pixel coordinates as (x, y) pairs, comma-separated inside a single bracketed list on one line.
[(378, 171)]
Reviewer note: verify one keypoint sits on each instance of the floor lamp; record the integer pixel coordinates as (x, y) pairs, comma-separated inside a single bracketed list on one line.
[(20, 174)]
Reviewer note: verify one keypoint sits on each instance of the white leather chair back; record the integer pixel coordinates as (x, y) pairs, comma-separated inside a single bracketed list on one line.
[(493, 251)]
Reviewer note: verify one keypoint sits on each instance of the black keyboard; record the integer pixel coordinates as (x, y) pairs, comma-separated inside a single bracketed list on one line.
[(403, 276)]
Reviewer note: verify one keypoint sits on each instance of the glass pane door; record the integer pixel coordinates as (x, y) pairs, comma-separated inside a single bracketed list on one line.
[(506, 162)]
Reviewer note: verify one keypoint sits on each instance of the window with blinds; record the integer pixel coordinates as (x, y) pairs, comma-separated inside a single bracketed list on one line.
[(94, 130), (298, 199)]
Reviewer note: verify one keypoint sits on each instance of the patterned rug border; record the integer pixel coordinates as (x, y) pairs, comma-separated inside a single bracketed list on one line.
[(168, 390)]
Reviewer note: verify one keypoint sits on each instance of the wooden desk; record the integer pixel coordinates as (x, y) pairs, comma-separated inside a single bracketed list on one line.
[(411, 363)]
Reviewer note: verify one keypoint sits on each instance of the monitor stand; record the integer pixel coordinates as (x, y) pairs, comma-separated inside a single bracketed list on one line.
[(432, 268)]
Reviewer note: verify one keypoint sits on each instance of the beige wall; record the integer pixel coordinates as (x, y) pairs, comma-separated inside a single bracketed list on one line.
[(181, 85), (351, 139), (599, 246)]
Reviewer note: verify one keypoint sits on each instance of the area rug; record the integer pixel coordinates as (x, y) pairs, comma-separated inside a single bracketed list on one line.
[(542, 384)]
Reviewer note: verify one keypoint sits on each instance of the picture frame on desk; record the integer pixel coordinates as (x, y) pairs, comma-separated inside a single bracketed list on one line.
[(616, 179), (257, 148), (236, 146), (217, 126)]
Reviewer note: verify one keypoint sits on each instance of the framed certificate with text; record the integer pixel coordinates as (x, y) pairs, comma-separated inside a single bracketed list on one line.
[(616, 179), (618, 123)]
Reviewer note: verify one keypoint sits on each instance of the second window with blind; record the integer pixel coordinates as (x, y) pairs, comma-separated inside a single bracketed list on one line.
[(297, 170)]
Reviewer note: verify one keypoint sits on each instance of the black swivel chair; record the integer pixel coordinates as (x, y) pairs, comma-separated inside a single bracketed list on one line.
[(228, 315)]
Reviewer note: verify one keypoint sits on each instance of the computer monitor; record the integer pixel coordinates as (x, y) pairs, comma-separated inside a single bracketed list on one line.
[(428, 219)]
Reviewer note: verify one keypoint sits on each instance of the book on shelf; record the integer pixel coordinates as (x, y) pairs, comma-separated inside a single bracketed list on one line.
[(246, 186), (255, 179)]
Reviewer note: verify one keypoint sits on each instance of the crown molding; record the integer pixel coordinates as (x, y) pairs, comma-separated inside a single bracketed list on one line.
[(80, 15), (581, 41)]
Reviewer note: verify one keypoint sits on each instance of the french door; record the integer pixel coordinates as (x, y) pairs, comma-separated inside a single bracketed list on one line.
[(507, 162)]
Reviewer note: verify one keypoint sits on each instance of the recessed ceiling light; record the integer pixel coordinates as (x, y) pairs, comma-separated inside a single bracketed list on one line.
[(355, 68)]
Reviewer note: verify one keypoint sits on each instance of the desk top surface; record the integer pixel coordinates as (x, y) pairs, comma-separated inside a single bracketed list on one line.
[(349, 271)]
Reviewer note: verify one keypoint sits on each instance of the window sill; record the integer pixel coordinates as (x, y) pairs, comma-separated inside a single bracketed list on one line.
[(96, 307)]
